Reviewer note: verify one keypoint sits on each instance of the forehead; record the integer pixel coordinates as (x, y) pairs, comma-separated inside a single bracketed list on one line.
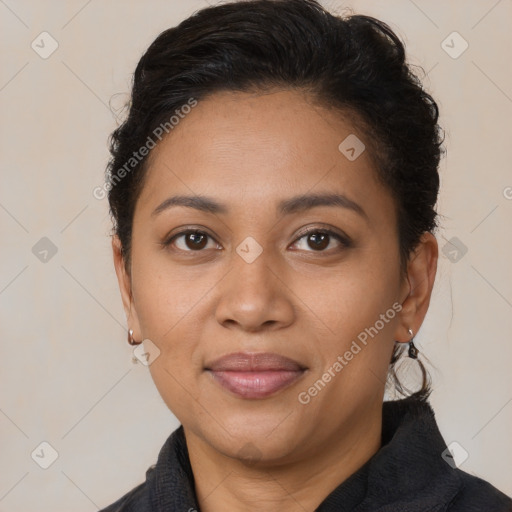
[(251, 148)]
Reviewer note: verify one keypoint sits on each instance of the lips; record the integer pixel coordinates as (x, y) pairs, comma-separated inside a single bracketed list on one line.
[(255, 376)]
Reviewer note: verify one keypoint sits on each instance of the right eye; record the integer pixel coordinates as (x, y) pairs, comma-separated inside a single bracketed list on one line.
[(190, 240)]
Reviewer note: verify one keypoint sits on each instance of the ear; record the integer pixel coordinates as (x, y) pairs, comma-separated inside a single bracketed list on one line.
[(417, 287), (125, 287)]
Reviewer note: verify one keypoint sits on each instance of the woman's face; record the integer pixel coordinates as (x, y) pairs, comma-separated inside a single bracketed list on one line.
[(254, 282)]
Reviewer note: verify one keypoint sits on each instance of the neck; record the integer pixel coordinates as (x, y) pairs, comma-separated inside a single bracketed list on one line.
[(225, 483)]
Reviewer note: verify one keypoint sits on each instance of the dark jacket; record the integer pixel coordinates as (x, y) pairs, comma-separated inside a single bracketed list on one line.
[(408, 474)]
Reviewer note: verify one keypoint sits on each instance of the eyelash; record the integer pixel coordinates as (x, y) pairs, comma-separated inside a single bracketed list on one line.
[(344, 240)]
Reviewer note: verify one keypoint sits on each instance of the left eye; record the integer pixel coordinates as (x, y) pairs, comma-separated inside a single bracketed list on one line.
[(319, 240)]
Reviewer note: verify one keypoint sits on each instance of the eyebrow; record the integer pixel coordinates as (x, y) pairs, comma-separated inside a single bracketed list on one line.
[(286, 207)]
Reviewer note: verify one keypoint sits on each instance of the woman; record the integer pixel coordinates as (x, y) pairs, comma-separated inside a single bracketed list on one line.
[(273, 193)]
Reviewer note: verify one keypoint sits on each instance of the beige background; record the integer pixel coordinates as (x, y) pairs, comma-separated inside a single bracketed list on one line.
[(67, 375)]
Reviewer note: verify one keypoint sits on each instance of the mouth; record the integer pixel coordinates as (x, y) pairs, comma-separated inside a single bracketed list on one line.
[(255, 376)]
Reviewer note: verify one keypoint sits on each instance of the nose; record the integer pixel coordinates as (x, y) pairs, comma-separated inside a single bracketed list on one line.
[(254, 295)]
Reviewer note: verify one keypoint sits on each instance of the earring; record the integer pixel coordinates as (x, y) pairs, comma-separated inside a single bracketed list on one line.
[(413, 351), (131, 340)]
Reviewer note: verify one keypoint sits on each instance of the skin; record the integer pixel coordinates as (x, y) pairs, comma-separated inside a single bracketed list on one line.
[(249, 152)]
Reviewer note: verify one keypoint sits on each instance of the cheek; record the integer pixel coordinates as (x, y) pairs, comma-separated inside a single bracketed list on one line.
[(168, 306), (173, 382), (353, 310), (354, 349), (166, 296), (348, 300)]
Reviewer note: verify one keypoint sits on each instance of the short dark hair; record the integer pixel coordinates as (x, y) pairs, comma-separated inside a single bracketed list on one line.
[(355, 64)]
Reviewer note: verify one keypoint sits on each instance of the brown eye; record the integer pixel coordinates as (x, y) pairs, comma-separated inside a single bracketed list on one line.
[(189, 241), (196, 241), (318, 240)]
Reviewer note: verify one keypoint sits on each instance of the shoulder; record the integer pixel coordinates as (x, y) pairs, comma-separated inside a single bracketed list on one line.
[(169, 483), (475, 495), (412, 460), (136, 500)]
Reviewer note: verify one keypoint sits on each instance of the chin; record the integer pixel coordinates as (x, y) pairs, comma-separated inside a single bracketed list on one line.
[(255, 437)]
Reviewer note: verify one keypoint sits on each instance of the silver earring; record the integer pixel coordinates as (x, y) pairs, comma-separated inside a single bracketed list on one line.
[(413, 351)]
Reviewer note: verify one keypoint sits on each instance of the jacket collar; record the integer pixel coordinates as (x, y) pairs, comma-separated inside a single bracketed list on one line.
[(407, 471)]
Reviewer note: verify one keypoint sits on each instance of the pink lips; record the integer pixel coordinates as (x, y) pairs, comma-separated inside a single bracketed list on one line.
[(255, 375)]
